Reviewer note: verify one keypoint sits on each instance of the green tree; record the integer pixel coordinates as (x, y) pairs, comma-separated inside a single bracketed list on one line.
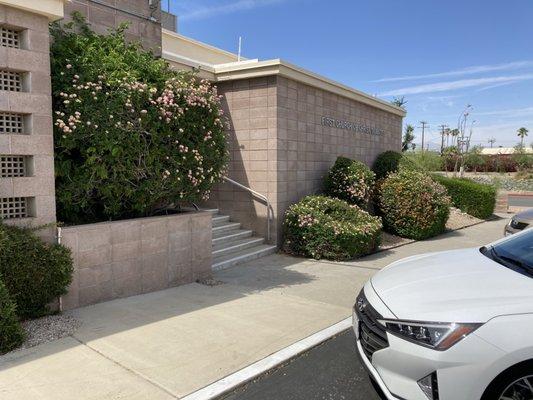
[(408, 137), (522, 133)]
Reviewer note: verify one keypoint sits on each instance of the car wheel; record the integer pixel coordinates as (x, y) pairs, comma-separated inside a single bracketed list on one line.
[(514, 384)]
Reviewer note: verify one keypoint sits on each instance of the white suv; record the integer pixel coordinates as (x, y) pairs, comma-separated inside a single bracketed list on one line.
[(454, 325)]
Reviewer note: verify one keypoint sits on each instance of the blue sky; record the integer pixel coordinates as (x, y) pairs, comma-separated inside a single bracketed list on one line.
[(441, 55)]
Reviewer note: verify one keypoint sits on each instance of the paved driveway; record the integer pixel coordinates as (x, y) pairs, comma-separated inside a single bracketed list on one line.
[(167, 344)]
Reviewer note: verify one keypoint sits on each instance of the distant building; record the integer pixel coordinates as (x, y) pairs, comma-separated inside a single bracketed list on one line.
[(503, 150)]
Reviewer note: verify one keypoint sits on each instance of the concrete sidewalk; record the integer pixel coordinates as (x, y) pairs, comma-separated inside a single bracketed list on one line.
[(168, 344)]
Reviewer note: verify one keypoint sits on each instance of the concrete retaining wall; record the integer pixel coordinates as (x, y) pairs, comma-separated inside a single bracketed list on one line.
[(125, 258)]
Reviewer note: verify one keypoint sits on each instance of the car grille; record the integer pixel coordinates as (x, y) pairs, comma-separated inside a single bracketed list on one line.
[(372, 335)]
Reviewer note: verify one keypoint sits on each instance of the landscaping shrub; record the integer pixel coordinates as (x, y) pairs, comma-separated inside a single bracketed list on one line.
[(413, 205), (34, 272), (350, 180), (423, 160), (386, 162), (324, 227), (132, 136), (11, 333), (476, 199)]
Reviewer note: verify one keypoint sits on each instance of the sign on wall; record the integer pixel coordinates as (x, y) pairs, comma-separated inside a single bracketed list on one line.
[(350, 126)]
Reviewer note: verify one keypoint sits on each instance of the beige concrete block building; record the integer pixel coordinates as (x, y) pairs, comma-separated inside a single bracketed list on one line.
[(27, 193), (287, 127)]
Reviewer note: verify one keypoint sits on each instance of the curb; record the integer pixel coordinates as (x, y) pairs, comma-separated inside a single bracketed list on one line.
[(252, 371)]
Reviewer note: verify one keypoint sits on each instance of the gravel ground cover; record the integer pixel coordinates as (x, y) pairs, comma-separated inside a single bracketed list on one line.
[(47, 329)]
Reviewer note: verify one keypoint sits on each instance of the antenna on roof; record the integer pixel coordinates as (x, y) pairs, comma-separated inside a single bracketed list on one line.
[(239, 52)]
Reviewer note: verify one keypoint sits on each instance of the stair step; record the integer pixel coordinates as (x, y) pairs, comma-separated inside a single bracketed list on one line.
[(238, 245), (242, 256), (226, 226), (220, 219), (230, 236)]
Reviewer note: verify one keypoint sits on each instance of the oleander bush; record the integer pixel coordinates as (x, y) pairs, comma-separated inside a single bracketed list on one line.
[(350, 180), (476, 199), (34, 272), (11, 332), (132, 136), (386, 162), (325, 227), (412, 205)]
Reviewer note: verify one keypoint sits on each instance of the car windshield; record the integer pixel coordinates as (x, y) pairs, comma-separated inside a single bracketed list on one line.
[(515, 252)]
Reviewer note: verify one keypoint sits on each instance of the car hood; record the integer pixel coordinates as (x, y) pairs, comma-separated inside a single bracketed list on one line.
[(453, 286), (525, 216)]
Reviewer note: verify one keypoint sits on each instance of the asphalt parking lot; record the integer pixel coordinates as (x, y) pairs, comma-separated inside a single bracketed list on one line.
[(330, 371)]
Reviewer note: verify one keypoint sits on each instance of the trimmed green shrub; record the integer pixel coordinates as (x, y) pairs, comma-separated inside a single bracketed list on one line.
[(11, 332), (132, 136), (476, 199), (350, 180), (413, 205), (324, 227), (386, 162), (34, 272)]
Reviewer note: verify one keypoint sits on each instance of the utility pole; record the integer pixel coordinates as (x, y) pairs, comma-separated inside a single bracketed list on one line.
[(424, 125), (492, 141), (442, 133)]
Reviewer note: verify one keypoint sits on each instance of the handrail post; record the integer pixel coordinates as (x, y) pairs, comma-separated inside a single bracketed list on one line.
[(257, 194)]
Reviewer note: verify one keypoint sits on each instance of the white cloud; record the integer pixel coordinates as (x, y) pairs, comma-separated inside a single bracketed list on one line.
[(202, 12), (509, 113), (463, 71), (458, 84)]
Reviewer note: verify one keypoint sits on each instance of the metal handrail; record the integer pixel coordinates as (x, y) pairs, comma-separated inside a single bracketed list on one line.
[(257, 194)]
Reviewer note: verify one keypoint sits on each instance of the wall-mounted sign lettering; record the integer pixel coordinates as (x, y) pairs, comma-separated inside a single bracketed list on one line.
[(350, 126)]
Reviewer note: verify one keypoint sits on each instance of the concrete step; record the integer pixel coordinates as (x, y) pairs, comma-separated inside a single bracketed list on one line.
[(220, 219), (213, 211), (230, 236), (225, 227), (242, 256), (220, 250)]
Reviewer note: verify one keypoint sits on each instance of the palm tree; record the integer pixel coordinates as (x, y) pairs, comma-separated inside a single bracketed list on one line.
[(522, 133), (408, 137), (454, 133)]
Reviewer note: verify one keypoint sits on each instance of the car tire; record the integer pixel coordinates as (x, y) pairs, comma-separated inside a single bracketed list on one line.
[(511, 379)]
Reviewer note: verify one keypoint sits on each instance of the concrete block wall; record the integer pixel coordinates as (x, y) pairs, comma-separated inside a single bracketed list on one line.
[(125, 258), (33, 103), (307, 148), (105, 14), (251, 108), (279, 147)]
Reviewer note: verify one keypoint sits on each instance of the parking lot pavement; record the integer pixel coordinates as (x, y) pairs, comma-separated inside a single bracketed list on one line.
[(330, 371)]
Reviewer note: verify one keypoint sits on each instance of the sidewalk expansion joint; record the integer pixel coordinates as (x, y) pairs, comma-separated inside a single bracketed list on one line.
[(131, 371)]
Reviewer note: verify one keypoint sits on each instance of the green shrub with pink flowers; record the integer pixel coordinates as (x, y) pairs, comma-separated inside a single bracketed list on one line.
[(325, 227), (132, 137), (350, 180), (413, 205)]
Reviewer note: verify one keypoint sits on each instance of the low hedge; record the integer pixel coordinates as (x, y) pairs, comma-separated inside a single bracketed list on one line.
[(324, 227), (413, 205), (476, 199), (34, 272), (11, 333), (350, 180)]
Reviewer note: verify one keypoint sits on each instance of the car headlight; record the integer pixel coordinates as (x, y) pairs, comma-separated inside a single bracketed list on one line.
[(436, 335)]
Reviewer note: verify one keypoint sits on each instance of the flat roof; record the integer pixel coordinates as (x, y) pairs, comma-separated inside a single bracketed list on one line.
[(254, 68)]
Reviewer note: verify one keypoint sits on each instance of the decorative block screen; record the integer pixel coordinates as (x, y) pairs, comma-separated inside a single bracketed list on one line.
[(13, 207), (9, 37), (11, 81), (11, 123), (12, 166)]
